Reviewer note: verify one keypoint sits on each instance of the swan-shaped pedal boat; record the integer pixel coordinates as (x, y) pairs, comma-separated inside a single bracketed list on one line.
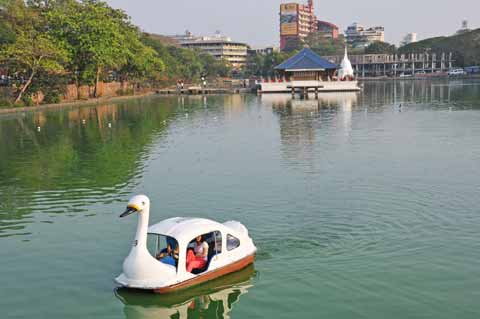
[(180, 252)]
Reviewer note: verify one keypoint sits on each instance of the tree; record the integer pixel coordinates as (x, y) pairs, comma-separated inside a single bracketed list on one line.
[(86, 41), (34, 54), (183, 63), (95, 36), (31, 50), (465, 47), (7, 34), (325, 46), (264, 64), (214, 67), (142, 62), (379, 47), (293, 44)]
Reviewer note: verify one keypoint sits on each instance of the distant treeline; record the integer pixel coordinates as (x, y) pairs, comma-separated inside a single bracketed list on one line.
[(45, 45), (465, 48), (263, 65)]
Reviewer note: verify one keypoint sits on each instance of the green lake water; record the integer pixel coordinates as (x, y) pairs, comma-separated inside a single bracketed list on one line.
[(361, 205)]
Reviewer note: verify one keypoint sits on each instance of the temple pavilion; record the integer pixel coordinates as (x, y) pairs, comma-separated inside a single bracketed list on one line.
[(307, 66), (308, 72)]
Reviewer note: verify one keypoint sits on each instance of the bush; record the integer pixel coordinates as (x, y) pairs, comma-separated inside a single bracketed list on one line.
[(27, 100), (51, 97), (19, 104), (121, 92), (5, 103)]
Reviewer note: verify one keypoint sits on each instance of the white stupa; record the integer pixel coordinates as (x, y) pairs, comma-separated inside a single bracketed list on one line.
[(346, 70)]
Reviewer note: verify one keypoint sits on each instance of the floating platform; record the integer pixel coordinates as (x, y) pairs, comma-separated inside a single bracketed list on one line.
[(309, 86), (201, 91)]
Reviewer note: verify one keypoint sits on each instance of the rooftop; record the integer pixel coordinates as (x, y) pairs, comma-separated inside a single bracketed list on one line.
[(333, 26), (185, 228), (306, 60)]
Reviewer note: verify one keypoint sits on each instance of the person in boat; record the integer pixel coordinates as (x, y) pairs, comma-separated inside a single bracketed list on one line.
[(169, 255), (197, 258)]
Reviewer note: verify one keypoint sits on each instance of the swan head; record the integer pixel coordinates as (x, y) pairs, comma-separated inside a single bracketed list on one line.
[(136, 204)]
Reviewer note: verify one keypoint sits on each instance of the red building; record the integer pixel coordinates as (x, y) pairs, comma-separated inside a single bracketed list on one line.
[(297, 21), (327, 29)]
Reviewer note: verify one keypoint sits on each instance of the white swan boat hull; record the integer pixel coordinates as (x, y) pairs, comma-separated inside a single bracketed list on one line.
[(230, 249)]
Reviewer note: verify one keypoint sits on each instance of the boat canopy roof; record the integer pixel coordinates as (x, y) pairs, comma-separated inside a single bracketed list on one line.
[(306, 60), (184, 229)]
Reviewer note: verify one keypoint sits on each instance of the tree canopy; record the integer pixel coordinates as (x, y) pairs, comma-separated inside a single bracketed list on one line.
[(32, 50), (186, 64), (86, 42), (379, 47), (326, 46), (264, 64), (100, 38), (465, 47)]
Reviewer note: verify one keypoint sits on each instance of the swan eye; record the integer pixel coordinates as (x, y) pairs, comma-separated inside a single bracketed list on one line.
[(143, 203)]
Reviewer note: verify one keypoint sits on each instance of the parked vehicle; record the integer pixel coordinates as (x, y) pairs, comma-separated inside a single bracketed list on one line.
[(456, 72), (472, 69), (4, 80)]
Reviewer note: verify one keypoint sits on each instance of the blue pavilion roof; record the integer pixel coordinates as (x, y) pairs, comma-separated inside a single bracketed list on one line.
[(306, 60)]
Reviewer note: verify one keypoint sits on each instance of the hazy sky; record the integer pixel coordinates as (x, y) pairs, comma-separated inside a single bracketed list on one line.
[(256, 21)]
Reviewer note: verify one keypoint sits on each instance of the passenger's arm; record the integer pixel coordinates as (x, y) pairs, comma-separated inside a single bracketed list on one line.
[(205, 249)]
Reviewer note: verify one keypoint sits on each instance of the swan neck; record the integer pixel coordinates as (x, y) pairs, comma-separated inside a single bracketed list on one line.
[(142, 227)]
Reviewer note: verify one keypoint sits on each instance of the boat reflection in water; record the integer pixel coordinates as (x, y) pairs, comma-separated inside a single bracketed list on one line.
[(214, 299)]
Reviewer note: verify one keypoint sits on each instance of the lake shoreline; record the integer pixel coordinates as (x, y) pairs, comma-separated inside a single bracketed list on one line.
[(419, 78), (92, 101), (171, 92), (96, 101)]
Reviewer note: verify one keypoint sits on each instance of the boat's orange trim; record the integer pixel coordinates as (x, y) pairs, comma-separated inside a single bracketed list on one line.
[(209, 275)]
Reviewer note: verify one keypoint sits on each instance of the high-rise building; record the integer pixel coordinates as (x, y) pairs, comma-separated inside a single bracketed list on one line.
[(359, 36), (297, 21), (409, 38)]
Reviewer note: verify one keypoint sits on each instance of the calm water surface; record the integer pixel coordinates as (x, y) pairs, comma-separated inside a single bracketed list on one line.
[(360, 208)]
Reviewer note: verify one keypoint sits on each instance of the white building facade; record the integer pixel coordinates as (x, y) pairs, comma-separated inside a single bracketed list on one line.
[(409, 38), (359, 36), (220, 47)]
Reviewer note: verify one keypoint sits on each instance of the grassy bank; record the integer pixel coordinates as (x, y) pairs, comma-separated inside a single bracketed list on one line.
[(92, 101)]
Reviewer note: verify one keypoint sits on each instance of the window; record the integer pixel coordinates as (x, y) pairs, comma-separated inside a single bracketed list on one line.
[(163, 248), (232, 242), (198, 259)]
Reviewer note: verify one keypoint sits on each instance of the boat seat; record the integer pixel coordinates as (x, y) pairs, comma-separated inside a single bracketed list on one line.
[(211, 254)]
